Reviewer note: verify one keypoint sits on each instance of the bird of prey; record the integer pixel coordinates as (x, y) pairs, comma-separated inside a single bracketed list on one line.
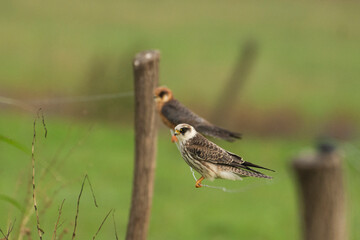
[(210, 160), (172, 113)]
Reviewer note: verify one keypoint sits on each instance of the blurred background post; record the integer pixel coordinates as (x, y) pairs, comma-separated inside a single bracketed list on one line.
[(322, 193)]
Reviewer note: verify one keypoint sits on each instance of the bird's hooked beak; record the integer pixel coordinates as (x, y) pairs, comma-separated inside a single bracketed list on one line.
[(174, 138)]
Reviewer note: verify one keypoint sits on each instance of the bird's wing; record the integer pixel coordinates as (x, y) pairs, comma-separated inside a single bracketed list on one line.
[(203, 150), (177, 113)]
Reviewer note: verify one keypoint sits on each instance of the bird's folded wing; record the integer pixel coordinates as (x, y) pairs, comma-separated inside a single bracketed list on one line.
[(203, 150), (177, 113)]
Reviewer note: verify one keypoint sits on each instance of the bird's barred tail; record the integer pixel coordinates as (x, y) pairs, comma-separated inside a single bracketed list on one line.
[(218, 132), (245, 173)]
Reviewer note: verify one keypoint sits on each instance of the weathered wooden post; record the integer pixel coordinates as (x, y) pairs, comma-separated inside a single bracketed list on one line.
[(146, 73), (322, 194)]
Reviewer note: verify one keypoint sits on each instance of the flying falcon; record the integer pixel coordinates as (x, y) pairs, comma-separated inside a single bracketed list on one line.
[(172, 113), (210, 160)]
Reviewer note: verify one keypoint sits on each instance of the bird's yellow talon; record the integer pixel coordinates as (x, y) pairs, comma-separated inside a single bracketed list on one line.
[(198, 182)]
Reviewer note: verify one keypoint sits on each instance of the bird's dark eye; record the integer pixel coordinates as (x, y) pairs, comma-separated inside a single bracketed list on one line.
[(162, 93), (183, 130)]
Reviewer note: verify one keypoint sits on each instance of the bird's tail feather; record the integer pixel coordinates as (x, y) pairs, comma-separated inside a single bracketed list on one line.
[(249, 164), (245, 173)]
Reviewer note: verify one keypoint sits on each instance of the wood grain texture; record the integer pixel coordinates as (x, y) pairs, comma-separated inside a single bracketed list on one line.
[(146, 73), (322, 195)]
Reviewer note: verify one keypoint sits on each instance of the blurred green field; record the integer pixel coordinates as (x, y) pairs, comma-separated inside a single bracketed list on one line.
[(307, 63), (265, 210)]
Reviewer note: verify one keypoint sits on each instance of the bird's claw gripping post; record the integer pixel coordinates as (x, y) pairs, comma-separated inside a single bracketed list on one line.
[(198, 182)]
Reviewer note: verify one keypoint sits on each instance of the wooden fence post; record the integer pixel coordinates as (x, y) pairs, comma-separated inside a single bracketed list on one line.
[(232, 87), (146, 73), (322, 194)]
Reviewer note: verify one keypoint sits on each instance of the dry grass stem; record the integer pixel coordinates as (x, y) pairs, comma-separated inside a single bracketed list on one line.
[(63, 233), (57, 222), (11, 227), (43, 120), (40, 231), (116, 235), (1, 231), (25, 218), (49, 200), (102, 223), (78, 202)]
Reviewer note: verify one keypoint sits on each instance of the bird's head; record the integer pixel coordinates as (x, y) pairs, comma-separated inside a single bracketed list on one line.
[(163, 94), (184, 132)]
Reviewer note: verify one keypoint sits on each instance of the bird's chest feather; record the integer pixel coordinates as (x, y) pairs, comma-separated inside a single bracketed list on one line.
[(207, 170)]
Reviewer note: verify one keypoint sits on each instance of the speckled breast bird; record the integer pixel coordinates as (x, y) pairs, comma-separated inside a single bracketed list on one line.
[(210, 160), (172, 113)]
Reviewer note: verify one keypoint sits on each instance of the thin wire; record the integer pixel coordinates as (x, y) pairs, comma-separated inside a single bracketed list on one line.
[(93, 98), (17, 103), (31, 105)]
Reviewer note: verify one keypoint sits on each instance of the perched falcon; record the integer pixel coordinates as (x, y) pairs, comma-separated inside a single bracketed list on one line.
[(210, 160), (172, 113)]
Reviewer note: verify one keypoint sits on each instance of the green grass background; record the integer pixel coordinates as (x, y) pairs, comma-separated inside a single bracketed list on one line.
[(264, 210), (308, 60)]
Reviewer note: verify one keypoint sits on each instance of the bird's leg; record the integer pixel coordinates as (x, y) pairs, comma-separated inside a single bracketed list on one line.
[(198, 182)]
